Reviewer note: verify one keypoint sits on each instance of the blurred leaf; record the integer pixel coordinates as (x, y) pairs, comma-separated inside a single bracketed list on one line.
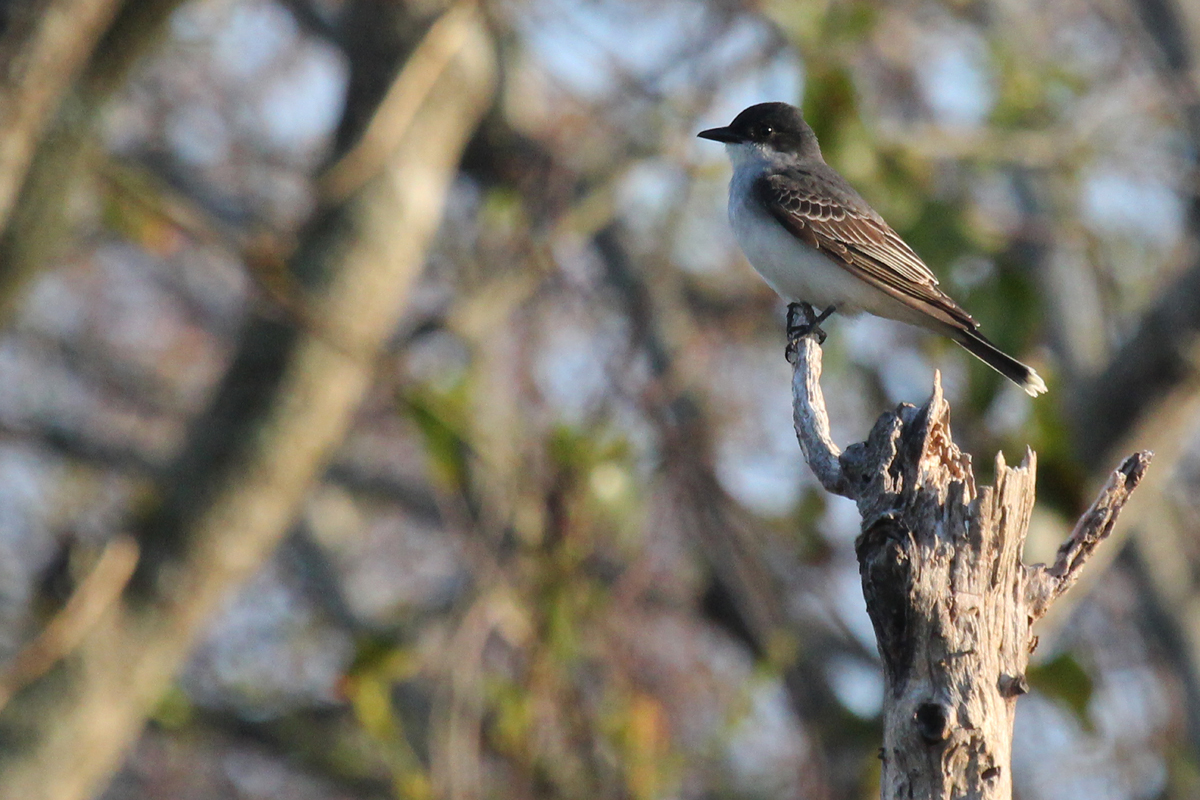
[(803, 22), (638, 725), (512, 717), (811, 546), (441, 421), (370, 686), (582, 450), (1064, 680), (830, 102), (1026, 97), (815, 24), (371, 697), (174, 709), (648, 743), (150, 231), (503, 210), (382, 655), (939, 234), (570, 449), (850, 22), (595, 469), (1183, 779)]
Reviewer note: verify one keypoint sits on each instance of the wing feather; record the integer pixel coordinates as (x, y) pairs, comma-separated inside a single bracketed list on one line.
[(858, 239)]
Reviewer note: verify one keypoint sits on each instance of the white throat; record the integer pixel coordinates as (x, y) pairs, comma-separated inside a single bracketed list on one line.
[(743, 154)]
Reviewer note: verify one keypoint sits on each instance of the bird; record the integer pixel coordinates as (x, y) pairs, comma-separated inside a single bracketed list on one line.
[(819, 244)]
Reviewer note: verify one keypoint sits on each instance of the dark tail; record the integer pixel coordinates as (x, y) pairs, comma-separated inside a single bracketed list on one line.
[(975, 344)]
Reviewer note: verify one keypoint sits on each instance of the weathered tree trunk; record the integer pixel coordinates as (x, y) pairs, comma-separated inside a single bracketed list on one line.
[(952, 604)]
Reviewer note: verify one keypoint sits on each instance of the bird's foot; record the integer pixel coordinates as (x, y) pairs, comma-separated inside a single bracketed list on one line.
[(803, 320)]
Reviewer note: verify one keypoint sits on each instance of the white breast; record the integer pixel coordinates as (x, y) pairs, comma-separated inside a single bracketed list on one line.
[(797, 272)]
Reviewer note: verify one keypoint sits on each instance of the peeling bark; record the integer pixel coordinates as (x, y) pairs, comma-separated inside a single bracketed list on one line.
[(952, 604)]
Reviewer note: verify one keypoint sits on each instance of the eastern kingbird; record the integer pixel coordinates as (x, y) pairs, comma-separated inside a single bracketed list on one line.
[(818, 243)]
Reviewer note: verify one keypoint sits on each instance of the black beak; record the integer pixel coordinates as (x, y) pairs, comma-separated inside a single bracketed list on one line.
[(720, 135)]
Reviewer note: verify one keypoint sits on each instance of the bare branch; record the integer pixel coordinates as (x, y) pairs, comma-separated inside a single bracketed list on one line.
[(35, 182), (95, 595), (1046, 584), (812, 421), (406, 97), (38, 60)]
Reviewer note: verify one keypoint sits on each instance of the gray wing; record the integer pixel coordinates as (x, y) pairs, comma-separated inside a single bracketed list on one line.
[(828, 215)]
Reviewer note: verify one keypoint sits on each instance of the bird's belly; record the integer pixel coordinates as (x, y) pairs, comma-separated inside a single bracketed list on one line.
[(797, 272)]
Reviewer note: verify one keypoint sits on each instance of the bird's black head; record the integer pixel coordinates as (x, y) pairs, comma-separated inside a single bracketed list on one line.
[(777, 126)]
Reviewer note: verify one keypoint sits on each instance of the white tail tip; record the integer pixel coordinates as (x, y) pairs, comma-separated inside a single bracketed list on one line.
[(1034, 385)]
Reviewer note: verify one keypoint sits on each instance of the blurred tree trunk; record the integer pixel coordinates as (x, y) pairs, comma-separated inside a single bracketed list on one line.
[(45, 155), (952, 605), (282, 407), (44, 46)]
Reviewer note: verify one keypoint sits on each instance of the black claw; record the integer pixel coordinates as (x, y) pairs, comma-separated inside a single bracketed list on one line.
[(800, 319), (792, 312), (810, 326)]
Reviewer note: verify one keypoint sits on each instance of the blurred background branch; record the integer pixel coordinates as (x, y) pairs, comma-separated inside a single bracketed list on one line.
[(43, 46), (283, 405)]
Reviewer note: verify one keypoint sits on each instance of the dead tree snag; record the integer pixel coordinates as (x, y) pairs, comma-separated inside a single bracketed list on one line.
[(952, 603)]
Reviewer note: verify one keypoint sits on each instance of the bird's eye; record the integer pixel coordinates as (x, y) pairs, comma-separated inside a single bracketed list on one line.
[(764, 131)]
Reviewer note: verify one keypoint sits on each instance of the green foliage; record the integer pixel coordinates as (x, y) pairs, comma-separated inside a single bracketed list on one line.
[(812, 548), (174, 710), (370, 687), (1063, 679), (824, 24), (939, 230), (830, 105), (1030, 94), (636, 724), (1183, 774), (572, 497), (442, 421)]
